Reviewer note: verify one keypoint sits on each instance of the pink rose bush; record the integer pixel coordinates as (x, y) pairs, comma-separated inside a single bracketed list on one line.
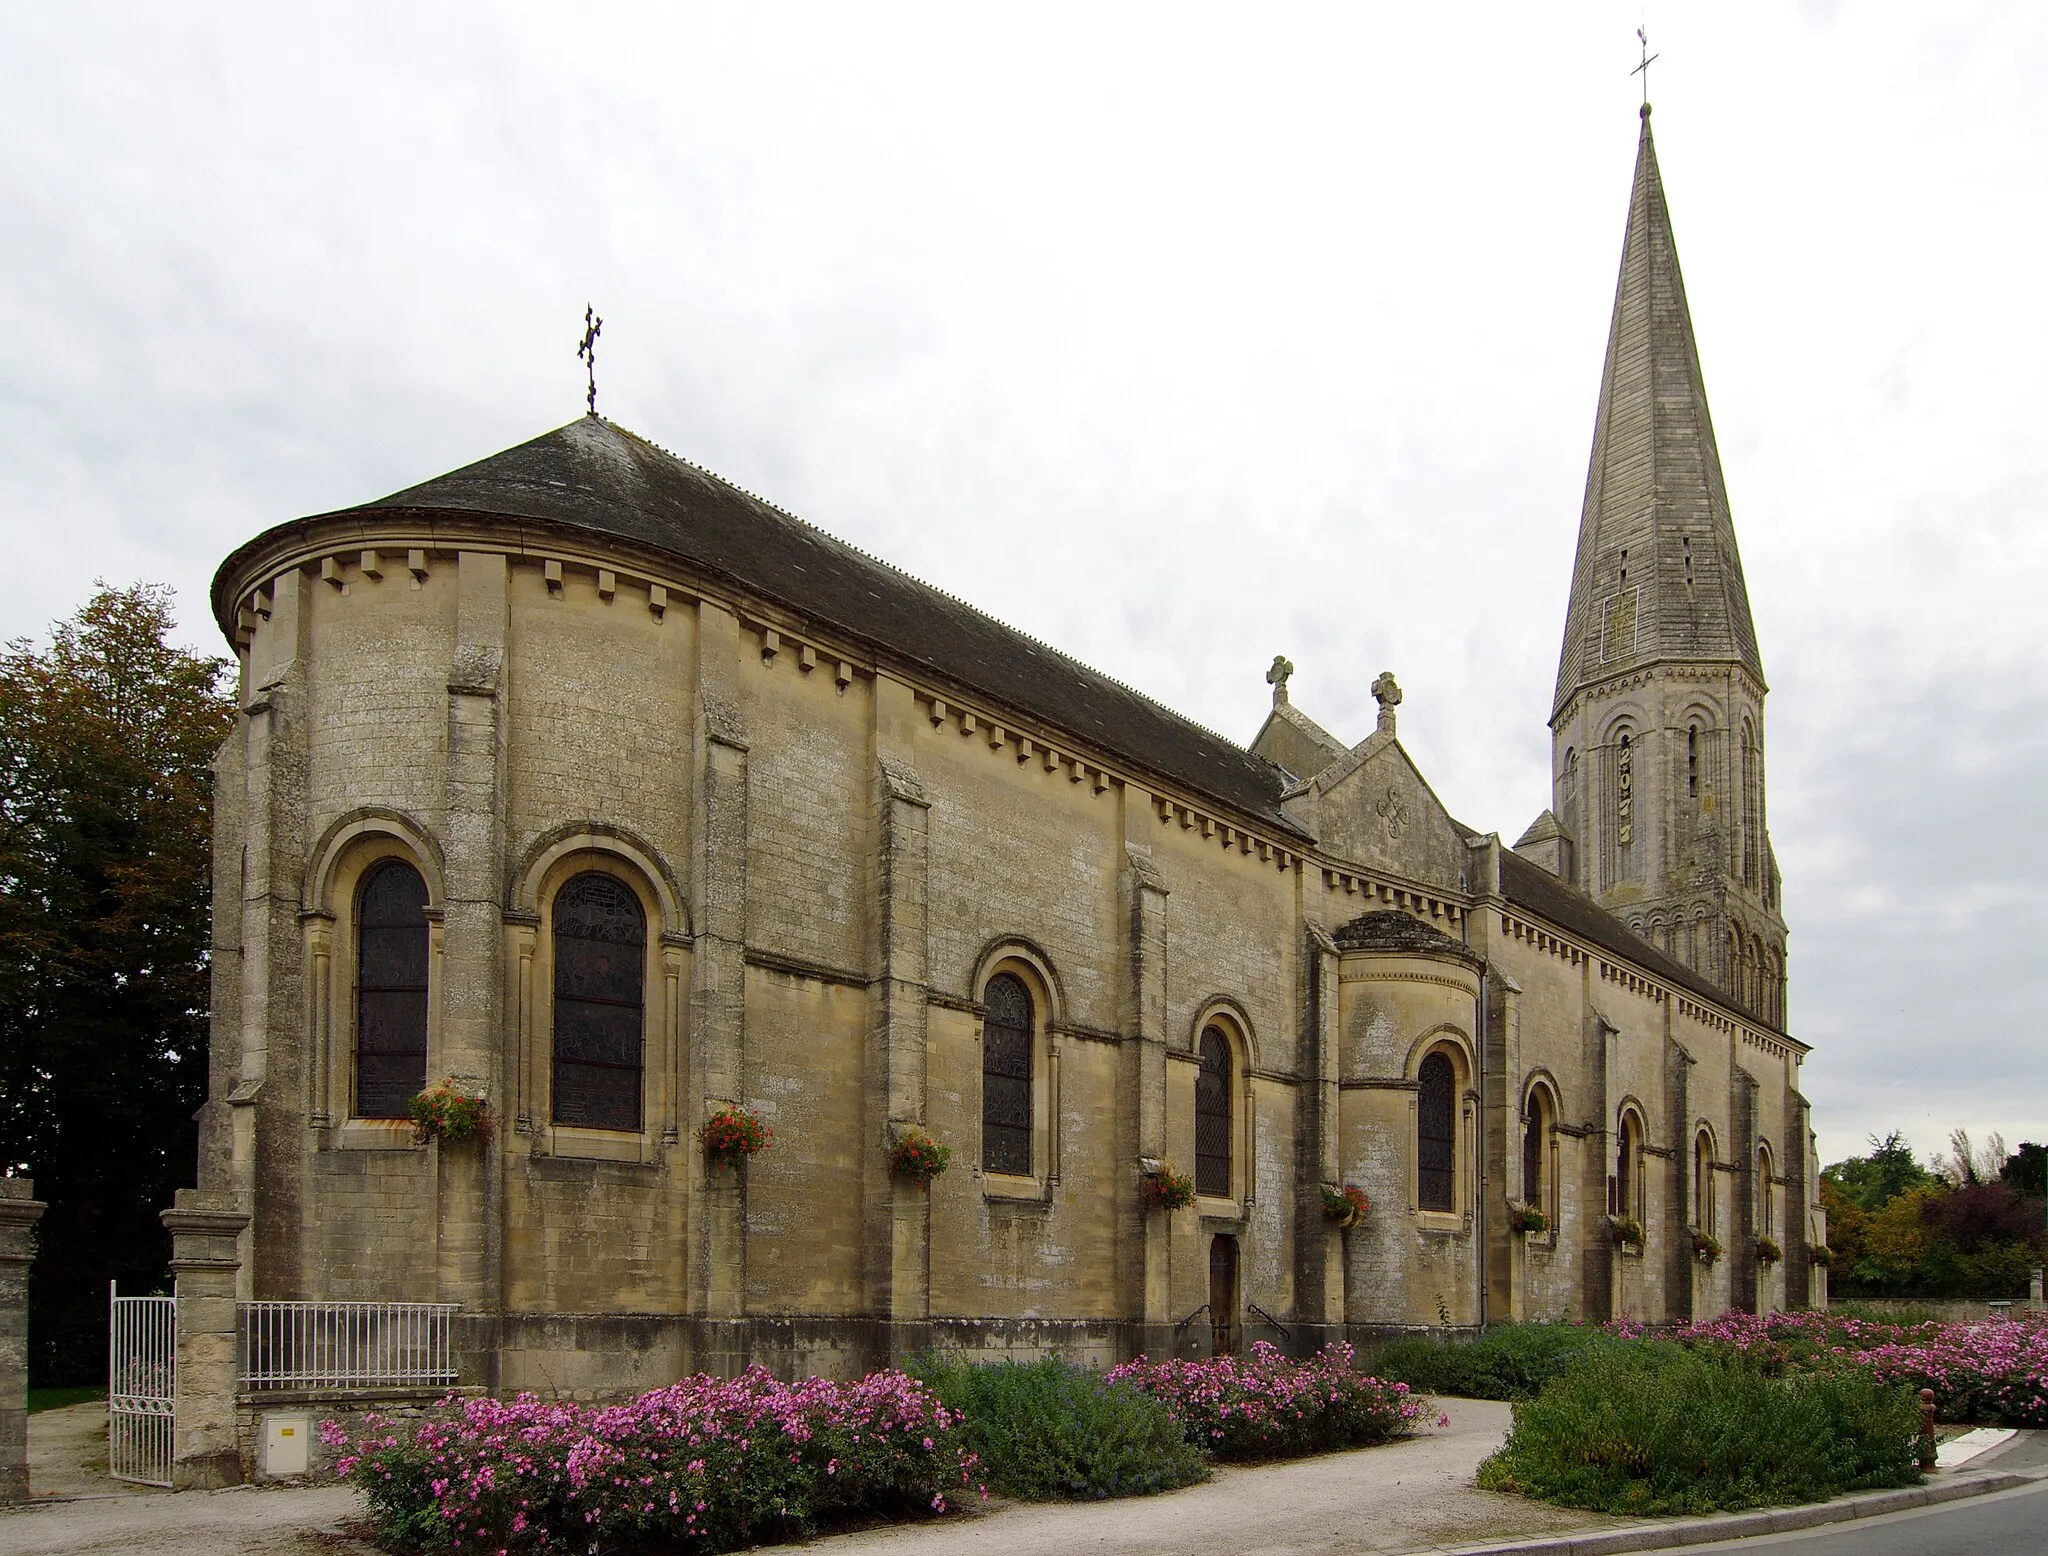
[(706, 1464), (1995, 1370), (1264, 1406)]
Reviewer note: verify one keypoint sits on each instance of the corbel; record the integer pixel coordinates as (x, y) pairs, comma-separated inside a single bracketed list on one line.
[(607, 584), (416, 564), (330, 573), (373, 566), (551, 572), (657, 600)]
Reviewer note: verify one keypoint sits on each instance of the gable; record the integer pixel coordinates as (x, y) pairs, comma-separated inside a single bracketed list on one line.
[(1379, 811)]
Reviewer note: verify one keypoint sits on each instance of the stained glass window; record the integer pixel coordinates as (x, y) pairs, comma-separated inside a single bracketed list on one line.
[(1006, 1038), (391, 990), (1212, 1115), (1436, 1133), (600, 949)]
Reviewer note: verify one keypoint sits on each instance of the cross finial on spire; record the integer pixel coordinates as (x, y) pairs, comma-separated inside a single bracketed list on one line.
[(587, 352), (1643, 70), (1276, 677)]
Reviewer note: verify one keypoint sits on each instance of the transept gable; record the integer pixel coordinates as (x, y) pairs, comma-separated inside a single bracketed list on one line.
[(1376, 809)]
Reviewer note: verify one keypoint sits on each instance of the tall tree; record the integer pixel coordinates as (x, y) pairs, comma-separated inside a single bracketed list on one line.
[(1874, 1181), (106, 741)]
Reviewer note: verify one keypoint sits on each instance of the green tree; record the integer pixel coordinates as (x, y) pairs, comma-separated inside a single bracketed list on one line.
[(1874, 1181), (106, 741)]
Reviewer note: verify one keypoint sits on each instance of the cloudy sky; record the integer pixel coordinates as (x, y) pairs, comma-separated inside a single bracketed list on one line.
[(1177, 336)]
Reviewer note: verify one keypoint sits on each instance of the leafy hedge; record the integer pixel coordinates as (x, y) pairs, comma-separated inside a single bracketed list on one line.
[(1266, 1407), (1508, 1361), (703, 1465), (1655, 1427), (1047, 1429)]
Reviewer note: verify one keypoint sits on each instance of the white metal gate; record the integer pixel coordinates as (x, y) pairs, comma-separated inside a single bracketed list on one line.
[(142, 1376)]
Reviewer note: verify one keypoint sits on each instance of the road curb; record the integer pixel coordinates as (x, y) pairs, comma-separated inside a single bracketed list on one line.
[(1743, 1526)]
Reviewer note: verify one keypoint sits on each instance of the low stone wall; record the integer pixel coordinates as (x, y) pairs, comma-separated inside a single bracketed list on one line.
[(306, 1409), (1950, 1310)]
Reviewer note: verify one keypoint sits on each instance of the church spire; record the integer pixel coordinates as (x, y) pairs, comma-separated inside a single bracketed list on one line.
[(1658, 577)]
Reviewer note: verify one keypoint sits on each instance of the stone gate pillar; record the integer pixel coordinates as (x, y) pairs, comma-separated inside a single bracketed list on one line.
[(19, 1212), (205, 1228)]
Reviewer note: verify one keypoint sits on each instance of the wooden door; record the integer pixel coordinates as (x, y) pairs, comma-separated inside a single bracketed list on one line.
[(1223, 1295)]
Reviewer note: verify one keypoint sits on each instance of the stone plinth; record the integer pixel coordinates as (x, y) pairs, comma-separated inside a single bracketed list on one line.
[(205, 1227), (19, 1212)]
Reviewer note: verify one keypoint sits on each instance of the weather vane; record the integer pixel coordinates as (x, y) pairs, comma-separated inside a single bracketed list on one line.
[(593, 326), (1643, 69)]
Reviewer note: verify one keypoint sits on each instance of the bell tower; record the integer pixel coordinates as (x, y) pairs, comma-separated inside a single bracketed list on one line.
[(1657, 727)]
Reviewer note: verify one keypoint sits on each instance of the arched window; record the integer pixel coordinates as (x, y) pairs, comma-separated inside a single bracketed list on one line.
[(1752, 805), (1766, 1224), (1212, 1115), (1006, 1042), (1568, 812), (1703, 1182), (1436, 1133), (391, 990), (1692, 760), (1537, 1117), (1626, 1194), (600, 951)]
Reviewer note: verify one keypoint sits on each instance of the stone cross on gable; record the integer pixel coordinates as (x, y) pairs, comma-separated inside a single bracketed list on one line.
[(1387, 692), (1283, 667)]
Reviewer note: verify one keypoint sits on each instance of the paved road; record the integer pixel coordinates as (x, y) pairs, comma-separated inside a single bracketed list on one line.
[(2007, 1523)]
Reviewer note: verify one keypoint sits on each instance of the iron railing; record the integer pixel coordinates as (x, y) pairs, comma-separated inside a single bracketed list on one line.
[(316, 1345)]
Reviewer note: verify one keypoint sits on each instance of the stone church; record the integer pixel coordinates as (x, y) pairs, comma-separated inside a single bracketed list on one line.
[(620, 796)]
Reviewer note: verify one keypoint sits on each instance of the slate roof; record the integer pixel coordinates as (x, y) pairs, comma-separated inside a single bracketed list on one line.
[(1536, 890), (1392, 930), (594, 476), (1653, 486)]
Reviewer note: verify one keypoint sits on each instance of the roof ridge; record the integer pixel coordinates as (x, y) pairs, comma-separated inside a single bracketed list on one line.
[(964, 604)]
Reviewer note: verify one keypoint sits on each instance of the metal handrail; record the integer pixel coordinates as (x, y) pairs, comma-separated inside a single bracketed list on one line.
[(1271, 1320), (1181, 1328)]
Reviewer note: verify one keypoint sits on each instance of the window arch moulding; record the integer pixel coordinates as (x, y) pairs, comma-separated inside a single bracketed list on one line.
[(1224, 1016), (1542, 1145), (664, 994), (1440, 1138), (349, 852), (1037, 1047), (669, 903)]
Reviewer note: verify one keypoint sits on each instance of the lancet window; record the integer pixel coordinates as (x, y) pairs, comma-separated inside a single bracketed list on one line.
[(600, 955), (1213, 1114), (1007, 1034), (391, 990), (1436, 1133)]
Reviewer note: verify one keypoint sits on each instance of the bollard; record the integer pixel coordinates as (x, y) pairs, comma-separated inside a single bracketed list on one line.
[(1927, 1429)]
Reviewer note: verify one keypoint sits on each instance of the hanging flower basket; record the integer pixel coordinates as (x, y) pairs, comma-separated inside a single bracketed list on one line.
[(1167, 1189), (1767, 1251), (1821, 1255), (1528, 1221), (1346, 1206), (441, 1112), (1627, 1231), (733, 1134), (1706, 1247), (917, 1155)]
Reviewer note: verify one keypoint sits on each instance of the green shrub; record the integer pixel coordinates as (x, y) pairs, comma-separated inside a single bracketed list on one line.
[(1047, 1430), (1509, 1361), (1649, 1427)]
